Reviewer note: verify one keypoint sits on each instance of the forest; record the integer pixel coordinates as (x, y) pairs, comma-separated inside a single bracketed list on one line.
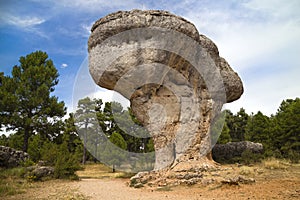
[(41, 128)]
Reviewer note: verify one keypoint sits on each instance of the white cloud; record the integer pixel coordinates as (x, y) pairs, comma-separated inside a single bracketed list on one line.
[(276, 9), (22, 22), (252, 35), (64, 65)]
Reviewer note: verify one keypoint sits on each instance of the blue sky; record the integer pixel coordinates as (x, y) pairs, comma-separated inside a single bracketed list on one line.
[(259, 38)]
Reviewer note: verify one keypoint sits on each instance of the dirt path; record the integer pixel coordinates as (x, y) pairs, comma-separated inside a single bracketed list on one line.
[(270, 184), (116, 189)]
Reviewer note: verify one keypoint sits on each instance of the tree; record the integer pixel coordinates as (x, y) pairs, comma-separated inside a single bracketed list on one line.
[(288, 135), (115, 156), (258, 129), (225, 135), (237, 124), (86, 118), (70, 134), (125, 123), (26, 103)]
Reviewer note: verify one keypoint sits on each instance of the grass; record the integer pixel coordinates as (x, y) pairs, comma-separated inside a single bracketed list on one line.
[(273, 163), (247, 171), (164, 188), (100, 171), (12, 181)]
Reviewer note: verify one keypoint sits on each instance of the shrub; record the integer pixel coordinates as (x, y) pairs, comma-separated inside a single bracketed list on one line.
[(66, 164), (248, 157), (294, 156)]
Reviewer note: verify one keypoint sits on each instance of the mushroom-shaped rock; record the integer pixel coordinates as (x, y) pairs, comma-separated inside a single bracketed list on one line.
[(173, 76)]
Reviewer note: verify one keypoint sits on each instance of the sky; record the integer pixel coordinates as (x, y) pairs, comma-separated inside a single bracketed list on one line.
[(259, 38)]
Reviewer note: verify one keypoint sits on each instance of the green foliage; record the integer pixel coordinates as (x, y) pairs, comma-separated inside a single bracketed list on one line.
[(249, 158), (66, 164), (220, 125), (8, 183), (288, 135), (86, 122), (225, 135), (34, 148), (112, 155), (118, 140), (150, 146), (4, 140), (17, 172), (49, 152), (27, 163), (16, 141), (26, 104), (258, 129), (279, 134), (237, 124)]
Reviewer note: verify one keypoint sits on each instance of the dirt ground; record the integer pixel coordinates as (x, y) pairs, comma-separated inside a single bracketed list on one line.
[(116, 189), (269, 184)]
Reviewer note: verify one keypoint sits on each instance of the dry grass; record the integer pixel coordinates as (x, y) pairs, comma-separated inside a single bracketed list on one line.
[(99, 171), (273, 163), (247, 171), (285, 179)]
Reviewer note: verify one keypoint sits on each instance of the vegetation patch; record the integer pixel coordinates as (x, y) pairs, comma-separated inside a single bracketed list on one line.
[(273, 163)]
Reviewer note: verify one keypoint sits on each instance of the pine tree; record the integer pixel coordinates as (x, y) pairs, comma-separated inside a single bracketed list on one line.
[(288, 136), (85, 118), (26, 104), (258, 129)]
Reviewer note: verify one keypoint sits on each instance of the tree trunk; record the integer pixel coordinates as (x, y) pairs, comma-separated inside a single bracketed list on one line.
[(95, 154), (84, 145), (26, 138)]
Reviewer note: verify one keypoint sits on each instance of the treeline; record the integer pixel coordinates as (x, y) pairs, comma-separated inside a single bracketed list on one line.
[(279, 133)]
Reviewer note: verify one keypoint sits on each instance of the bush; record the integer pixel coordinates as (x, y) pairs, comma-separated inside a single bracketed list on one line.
[(294, 156), (248, 157), (66, 164), (27, 163), (49, 152)]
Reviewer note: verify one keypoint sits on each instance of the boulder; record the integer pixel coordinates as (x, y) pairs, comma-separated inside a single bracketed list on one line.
[(40, 172), (235, 149), (10, 157)]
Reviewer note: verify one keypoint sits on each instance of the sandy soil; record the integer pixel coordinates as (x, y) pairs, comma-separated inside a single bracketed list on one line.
[(117, 189), (270, 184)]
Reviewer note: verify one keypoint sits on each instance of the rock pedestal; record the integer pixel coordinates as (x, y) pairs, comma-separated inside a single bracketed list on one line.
[(173, 76)]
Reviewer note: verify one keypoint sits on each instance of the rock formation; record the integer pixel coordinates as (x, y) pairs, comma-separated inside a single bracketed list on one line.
[(10, 157), (235, 149), (173, 76)]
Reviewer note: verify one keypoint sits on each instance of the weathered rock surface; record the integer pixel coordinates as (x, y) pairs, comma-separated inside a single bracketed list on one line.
[(10, 157), (235, 149), (173, 76), (40, 172)]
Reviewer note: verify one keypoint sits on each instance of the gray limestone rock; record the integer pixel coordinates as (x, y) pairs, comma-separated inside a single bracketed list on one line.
[(235, 149), (173, 76), (10, 157)]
